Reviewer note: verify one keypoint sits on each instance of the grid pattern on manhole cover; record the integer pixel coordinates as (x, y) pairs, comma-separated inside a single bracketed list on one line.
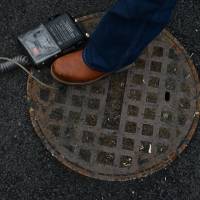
[(127, 125)]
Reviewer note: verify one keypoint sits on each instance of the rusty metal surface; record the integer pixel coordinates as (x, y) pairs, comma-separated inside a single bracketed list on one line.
[(126, 126)]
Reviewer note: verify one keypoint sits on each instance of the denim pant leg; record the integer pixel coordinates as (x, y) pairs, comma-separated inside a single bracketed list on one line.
[(127, 28)]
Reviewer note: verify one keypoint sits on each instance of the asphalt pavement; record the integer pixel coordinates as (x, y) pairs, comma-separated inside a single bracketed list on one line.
[(27, 169)]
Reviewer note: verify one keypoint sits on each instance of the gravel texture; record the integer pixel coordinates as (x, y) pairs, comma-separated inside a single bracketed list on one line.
[(27, 170)]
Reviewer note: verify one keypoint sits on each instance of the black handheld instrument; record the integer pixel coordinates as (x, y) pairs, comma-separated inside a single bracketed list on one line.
[(61, 35)]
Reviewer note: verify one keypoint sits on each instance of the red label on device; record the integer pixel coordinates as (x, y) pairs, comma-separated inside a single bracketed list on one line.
[(35, 51)]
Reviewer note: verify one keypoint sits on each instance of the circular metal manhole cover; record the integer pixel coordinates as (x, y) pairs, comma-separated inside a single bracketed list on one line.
[(126, 126)]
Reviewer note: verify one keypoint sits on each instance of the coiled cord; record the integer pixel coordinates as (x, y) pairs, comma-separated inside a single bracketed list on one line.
[(19, 61), (10, 65)]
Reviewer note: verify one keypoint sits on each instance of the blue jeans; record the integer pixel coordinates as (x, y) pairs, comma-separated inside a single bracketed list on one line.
[(127, 28)]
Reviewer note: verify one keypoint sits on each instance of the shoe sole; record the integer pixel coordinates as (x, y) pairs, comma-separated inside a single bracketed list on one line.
[(88, 82), (77, 83)]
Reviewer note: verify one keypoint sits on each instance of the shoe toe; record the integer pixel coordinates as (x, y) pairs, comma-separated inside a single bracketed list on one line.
[(71, 68)]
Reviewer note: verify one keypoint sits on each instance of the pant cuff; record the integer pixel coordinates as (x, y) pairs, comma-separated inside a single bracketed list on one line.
[(86, 61)]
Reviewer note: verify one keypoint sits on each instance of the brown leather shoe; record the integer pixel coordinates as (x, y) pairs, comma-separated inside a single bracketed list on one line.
[(71, 69)]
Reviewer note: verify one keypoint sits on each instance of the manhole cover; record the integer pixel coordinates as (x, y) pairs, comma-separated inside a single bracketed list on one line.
[(126, 126)]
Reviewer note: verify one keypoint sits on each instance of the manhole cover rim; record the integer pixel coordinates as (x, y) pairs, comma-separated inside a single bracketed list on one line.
[(141, 174), (138, 174)]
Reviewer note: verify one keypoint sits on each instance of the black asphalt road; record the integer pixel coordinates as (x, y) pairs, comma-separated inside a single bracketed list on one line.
[(28, 171)]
